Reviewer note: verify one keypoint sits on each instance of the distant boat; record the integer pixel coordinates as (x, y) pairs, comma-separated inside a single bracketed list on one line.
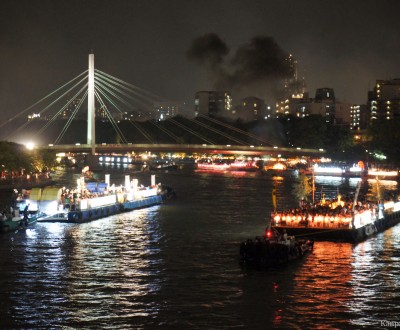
[(335, 170), (383, 173), (227, 165)]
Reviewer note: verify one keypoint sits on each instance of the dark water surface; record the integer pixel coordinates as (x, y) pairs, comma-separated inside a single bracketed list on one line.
[(175, 266)]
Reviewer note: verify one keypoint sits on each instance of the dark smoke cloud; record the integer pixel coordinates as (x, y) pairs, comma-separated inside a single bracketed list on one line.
[(256, 68), (260, 59), (208, 49)]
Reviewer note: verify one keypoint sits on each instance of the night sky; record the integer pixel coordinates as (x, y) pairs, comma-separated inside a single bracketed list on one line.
[(345, 45)]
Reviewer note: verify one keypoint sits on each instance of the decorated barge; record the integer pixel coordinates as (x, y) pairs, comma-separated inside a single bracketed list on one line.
[(92, 200), (349, 226)]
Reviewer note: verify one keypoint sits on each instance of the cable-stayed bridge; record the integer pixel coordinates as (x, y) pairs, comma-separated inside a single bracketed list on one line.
[(117, 116)]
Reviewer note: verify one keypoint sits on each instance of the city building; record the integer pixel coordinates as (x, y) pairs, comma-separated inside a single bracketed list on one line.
[(298, 105), (213, 103), (294, 99), (384, 100), (165, 110), (294, 87), (252, 108), (359, 116), (324, 104)]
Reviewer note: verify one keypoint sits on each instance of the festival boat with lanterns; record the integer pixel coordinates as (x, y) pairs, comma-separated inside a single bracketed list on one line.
[(338, 220), (341, 170), (375, 172), (208, 164), (91, 200)]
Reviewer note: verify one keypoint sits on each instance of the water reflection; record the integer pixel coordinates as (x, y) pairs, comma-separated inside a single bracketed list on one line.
[(175, 266), (387, 184), (374, 263), (115, 263), (321, 288)]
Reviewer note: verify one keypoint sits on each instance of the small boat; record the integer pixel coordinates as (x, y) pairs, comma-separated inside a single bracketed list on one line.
[(16, 220), (273, 250)]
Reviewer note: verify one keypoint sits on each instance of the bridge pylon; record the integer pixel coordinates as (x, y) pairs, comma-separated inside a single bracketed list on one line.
[(91, 136)]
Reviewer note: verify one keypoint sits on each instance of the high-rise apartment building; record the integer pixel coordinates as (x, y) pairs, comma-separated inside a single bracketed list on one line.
[(384, 100), (253, 108), (213, 103), (359, 116), (325, 97)]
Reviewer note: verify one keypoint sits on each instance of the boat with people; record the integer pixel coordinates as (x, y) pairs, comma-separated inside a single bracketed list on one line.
[(273, 249), (13, 219), (92, 200), (350, 220)]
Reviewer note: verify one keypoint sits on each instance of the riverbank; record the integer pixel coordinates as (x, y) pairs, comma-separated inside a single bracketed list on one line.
[(26, 182)]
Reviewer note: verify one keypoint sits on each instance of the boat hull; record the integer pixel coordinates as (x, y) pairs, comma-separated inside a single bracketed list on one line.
[(343, 234), (16, 224), (108, 210), (264, 253)]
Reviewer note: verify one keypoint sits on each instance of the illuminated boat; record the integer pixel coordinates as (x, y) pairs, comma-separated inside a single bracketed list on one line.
[(227, 165), (244, 165), (277, 169), (210, 165), (342, 171), (352, 227), (381, 173), (90, 201)]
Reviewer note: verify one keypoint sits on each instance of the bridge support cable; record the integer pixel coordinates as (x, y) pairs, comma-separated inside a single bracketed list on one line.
[(131, 87), (59, 112), (255, 137), (126, 90), (49, 106), (42, 99), (229, 137), (167, 132), (142, 131), (105, 89), (191, 131), (141, 100), (100, 87), (101, 84), (110, 118), (66, 126), (108, 114), (184, 127)]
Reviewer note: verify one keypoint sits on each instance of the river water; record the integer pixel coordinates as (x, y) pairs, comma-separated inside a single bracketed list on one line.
[(175, 266)]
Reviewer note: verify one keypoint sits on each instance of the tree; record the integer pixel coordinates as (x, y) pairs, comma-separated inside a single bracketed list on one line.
[(308, 132), (384, 137), (376, 191), (14, 157), (302, 188), (44, 160)]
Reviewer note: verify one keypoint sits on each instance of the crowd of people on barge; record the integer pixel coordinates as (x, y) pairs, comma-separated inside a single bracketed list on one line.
[(327, 214)]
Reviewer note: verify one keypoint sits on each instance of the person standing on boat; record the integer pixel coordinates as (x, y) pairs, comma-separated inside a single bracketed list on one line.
[(26, 213), (284, 236)]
